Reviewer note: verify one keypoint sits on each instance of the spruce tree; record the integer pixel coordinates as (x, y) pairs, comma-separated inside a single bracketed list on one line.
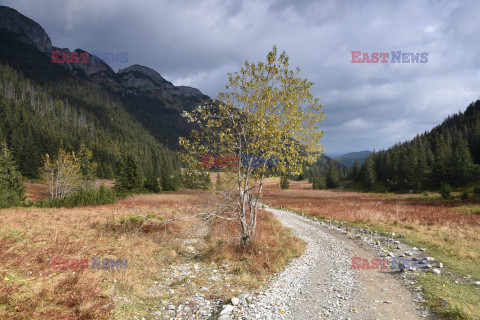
[(204, 182), (129, 177), (356, 171), (12, 191), (318, 182), (440, 171), (151, 183), (284, 183), (332, 176), (167, 179), (219, 184), (462, 168), (368, 174), (189, 178)]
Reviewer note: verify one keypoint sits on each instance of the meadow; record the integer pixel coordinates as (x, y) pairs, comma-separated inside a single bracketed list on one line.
[(449, 229), (168, 263)]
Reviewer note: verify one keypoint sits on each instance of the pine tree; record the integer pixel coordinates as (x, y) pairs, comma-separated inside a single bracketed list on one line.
[(129, 177), (12, 191), (356, 171), (441, 161), (332, 176), (463, 164), (318, 183), (368, 174), (167, 179), (284, 183)]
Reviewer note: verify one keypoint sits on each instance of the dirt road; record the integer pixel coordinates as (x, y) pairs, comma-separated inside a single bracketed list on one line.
[(322, 284)]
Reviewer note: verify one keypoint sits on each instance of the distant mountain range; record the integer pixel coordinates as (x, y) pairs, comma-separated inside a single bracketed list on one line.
[(348, 159)]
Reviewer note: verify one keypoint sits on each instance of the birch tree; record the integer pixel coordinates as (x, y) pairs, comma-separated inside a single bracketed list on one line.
[(63, 174), (266, 112)]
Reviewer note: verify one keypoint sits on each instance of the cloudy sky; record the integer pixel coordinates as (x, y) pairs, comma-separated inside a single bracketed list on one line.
[(368, 106)]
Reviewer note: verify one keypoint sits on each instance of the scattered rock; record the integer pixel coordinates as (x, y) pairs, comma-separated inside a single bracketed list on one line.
[(235, 301), (436, 271), (227, 309)]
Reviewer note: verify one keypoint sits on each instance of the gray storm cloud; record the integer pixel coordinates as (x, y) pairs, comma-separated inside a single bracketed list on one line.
[(368, 106)]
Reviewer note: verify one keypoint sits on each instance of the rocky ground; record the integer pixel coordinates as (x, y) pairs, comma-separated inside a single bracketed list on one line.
[(322, 284)]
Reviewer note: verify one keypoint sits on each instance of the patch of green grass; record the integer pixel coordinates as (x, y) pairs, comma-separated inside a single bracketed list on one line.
[(469, 209), (449, 299), (463, 301)]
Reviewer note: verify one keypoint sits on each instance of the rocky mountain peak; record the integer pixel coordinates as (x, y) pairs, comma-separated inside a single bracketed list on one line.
[(27, 30), (144, 79), (136, 79)]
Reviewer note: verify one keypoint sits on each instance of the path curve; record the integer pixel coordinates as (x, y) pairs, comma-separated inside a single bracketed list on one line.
[(322, 285)]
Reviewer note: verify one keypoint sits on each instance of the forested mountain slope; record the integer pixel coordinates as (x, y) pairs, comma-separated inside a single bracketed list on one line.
[(45, 105), (449, 153)]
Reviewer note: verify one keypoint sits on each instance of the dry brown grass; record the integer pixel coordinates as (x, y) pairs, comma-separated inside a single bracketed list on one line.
[(36, 192), (273, 247), (32, 237), (451, 234), (431, 221)]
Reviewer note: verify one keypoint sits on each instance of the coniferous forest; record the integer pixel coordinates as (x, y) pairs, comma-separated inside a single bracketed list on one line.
[(44, 109), (35, 121), (449, 154)]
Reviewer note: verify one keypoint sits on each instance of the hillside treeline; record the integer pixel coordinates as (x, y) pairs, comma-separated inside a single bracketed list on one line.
[(37, 120), (449, 153)]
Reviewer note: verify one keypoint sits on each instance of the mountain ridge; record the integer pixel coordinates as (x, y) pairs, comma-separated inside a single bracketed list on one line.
[(153, 101), (348, 159), (135, 79)]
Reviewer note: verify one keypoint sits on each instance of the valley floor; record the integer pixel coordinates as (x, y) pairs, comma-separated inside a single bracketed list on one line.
[(322, 284), (190, 269), (449, 231)]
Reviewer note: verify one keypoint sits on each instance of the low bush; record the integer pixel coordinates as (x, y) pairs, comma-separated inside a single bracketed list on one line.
[(445, 191), (83, 197)]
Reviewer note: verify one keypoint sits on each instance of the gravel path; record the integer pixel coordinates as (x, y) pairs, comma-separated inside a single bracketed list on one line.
[(321, 284)]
